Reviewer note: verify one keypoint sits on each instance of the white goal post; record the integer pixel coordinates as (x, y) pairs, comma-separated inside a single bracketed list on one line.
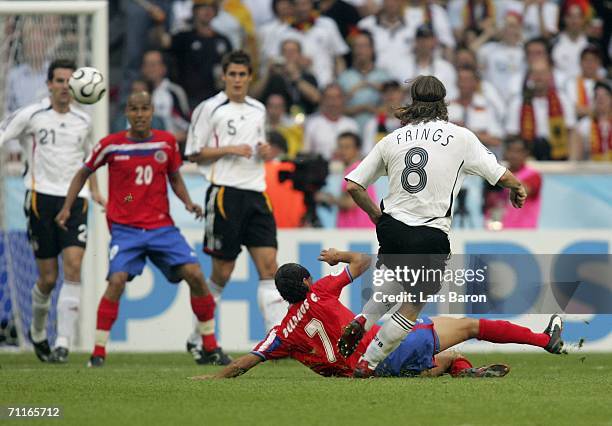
[(91, 34)]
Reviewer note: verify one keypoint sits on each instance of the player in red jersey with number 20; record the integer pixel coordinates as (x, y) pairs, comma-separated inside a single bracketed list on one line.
[(140, 163)]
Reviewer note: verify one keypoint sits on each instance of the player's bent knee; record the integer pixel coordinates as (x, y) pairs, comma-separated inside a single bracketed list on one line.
[(269, 270), (192, 274), (222, 271), (72, 272), (267, 274), (472, 327), (48, 279)]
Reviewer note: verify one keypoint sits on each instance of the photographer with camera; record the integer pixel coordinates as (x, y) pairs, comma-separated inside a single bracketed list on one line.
[(287, 75), (349, 213)]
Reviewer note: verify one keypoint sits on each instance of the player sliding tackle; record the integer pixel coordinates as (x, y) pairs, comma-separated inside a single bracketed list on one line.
[(315, 318), (426, 162), (140, 163)]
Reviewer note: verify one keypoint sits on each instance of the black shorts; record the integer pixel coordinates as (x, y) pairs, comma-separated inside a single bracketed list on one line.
[(47, 239), (415, 247), (237, 217)]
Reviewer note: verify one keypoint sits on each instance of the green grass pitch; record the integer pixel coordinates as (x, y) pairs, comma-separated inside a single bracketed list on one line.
[(153, 389)]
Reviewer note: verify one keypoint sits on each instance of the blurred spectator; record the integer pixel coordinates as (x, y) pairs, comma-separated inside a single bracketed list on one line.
[(603, 27), (344, 14), (473, 16), (322, 129), (276, 110), (198, 53), (535, 50), (320, 39), (270, 34), (420, 12), (571, 42), (362, 81), (223, 22), (498, 204), (366, 7), (426, 62), (261, 11), (472, 110), (279, 121), (593, 138), (504, 60), (26, 82), (287, 203), (393, 36), (466, 58), (121, 122), (542, 115), (350, 215), (140, 19), (287, 75), (580, 89), (169, 99), (385, 121), (540, 17), (246, 28)]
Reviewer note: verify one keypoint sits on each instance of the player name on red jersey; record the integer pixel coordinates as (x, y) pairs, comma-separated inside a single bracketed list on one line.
[(295, 319)]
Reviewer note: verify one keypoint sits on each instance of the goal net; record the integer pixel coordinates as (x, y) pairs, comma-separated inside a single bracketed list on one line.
[(32, 34)]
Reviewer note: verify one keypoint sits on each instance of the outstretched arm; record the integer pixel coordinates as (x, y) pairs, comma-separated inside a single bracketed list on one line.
[(358, 263), (235, 369), (77, 183)]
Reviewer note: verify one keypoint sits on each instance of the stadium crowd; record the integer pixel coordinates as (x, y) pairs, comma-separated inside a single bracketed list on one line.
[(331, 73)]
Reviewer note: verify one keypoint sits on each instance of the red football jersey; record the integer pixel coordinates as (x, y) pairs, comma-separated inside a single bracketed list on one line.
[(310, 331), (137, 174)]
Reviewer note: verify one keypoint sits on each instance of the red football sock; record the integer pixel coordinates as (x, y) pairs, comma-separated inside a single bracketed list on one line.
[(107, 314), (459, 365), (507, 332), (204, 309)]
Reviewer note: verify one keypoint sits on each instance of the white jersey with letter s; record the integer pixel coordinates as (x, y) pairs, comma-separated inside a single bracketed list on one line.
[(56, 144), (218, 122), (426, 165)]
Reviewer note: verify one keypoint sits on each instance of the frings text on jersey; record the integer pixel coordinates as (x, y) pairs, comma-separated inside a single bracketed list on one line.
[(416, 134)]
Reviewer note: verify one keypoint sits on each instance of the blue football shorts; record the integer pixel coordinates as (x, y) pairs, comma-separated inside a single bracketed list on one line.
[(165, 247), (415, 354)]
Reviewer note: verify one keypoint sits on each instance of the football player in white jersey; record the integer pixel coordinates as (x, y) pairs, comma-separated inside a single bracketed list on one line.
[(227, 139), (426, 161), (56, 138)]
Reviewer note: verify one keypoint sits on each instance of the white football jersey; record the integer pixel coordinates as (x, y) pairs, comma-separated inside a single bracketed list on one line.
[(219, 122), (426, 165), (55, 144)]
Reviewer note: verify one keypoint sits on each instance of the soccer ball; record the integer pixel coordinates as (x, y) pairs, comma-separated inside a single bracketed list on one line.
[(8, 333), (87, 85)]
